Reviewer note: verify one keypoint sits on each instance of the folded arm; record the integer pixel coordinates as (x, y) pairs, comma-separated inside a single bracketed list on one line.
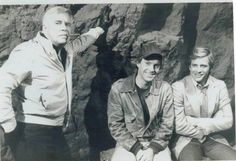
[(222, 119), (182, 124)]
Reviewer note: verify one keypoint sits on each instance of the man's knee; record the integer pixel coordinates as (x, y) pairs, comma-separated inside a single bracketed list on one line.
[(122, 154), (214, 150), (163, 155)]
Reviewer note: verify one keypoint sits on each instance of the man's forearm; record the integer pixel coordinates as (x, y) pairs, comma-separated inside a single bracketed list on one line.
[(210, 125), (2, 136), (83, 41)]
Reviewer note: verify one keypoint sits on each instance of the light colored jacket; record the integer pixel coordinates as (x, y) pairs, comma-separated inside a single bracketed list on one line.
[(125, 113), (187, 111), (43, 86)]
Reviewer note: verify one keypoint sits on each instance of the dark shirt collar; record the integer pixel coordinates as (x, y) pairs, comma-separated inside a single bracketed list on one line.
[(57, 49), (199, 86), (129, 85)]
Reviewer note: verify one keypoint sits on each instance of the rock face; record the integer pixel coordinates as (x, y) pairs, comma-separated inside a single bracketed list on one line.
[(215, 32), (175, 28)]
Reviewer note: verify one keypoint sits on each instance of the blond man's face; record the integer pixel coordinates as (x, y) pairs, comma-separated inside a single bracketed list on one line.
[(200, 69)]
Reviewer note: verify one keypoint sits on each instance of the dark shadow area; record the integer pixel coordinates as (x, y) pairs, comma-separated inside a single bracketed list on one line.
[(96, 110), (74, 8), (109, 69), (230, 133), (155, 16), (189, 35)]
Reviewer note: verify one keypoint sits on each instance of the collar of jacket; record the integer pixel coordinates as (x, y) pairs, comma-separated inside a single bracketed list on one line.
[(129, 85), (44, 41), (191, 85), (50, 50), (47, 45)]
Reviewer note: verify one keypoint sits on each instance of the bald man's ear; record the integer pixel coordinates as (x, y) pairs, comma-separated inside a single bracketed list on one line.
[(44, 28)]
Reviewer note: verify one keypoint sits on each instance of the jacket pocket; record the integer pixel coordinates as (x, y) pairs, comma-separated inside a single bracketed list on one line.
[(52, 102), (46, 98), (43, 101), (130, 118), (130, 122)]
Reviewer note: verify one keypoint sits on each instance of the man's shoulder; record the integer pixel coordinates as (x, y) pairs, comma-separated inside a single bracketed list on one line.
[(217, 82), (165, 83), (161, 83), (27, 45), (181, 81), (119, 83)]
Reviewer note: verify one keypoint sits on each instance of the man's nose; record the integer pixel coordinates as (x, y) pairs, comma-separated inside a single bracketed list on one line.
[(64, 26), (152, 68), (199, 69)]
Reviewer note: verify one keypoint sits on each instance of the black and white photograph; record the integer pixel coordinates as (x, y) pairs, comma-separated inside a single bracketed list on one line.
[(117, 81)]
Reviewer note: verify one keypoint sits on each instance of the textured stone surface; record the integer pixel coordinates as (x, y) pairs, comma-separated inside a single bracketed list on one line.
[(174, 22), (214, 30), (121, 34), (175, 28)]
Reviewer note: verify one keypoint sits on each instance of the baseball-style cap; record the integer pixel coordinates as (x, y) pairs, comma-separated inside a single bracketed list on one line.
[(151, 52)]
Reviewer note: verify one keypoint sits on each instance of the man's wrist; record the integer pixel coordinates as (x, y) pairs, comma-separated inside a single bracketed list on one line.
[(100, 30), (136, 147), (2, 128), (155, 147)]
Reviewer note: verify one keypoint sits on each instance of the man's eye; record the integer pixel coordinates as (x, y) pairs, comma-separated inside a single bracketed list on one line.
[(203, 66), (58, 22), (157, 66), (68, 24)]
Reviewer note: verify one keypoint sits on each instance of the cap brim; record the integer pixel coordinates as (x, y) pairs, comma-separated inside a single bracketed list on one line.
[(153, 56)]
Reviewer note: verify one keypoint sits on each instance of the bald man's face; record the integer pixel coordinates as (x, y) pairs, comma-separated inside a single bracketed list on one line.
[(57, 28)]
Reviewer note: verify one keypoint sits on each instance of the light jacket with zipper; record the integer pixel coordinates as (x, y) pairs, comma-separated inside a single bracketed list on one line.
[(43, 86)]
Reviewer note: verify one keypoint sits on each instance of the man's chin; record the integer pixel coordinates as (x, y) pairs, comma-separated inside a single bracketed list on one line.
[(149, 79), (63, 43), (199, 80)]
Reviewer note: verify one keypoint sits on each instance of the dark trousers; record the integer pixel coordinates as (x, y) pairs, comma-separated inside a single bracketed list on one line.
[(210, 148), (33, 142)]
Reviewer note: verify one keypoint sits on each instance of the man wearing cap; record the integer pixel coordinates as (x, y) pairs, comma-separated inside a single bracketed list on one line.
[(41, 72), (140, 113), (202, 110)]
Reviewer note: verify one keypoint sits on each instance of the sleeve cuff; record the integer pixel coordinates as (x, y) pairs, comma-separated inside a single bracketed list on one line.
[(9, 126), (136, 147), (95, 32), (156, 147), (2, 128)]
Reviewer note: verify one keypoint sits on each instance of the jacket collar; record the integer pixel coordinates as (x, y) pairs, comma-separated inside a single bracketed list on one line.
[(210, 81), (191, 94), (129, 85), (50, 50), (46, 43)]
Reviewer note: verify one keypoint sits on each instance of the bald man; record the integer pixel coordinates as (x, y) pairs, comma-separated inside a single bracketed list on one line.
[(41, 72)]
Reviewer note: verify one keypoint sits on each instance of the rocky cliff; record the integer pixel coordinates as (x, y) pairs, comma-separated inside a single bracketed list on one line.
[(175, 28)]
